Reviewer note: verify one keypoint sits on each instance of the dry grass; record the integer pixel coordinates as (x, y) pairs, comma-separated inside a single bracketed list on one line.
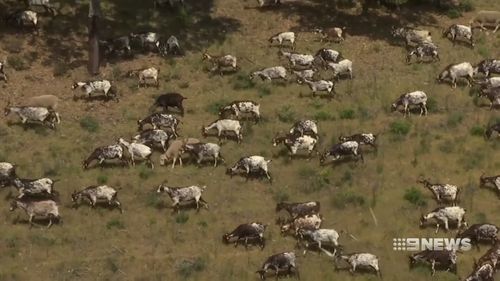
[(147, 242)]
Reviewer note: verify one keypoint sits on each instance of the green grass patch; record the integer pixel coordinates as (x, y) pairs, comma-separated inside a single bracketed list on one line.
[(400, 127), (323, 116), (313, 180), (182, 218), (89, 124), (415, 197), (242, 82), (215, 106), (347, 114), (115, 224), (18, 63), (343, 199), (286, 114), (477, 131), (187, 268)]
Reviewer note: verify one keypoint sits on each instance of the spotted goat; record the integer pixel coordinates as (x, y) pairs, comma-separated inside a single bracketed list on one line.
[(487, 67), (480, 233), (238, 108), (493, 181), (341, 150), (270, 73), (363, 138), (161, 120), (7, 173), (411, 36), (297, 59), (205, 150), (103, 153), (282, 264), (46, 209), (321, 86), (98, 86), (457, 71), (146, 75), (38, 115), (306, 222), (154, 138), (445, 215), (424, 50), (444, 193), (34, 187), (221, 63), (305, 127), (299, 209), (412, 99), (247, 233), (446, 259), (460, 32), (138, 151), (96, 193), (251, 165), (184, 195), (320, 237), (294, 143)]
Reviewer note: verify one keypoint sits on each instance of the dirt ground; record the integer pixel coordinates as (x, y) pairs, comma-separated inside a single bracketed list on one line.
[(147, 241)]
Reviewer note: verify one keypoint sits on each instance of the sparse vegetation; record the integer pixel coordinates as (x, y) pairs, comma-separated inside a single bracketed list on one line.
[(415, 197), (189, 267), (477, 131), (89, 124), (115, 224), (17, 62), (286, 114), (400, 128), (347, 198), (347, 114)]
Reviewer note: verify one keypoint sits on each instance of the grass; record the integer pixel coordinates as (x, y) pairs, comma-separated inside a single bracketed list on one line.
[(182, 218), (400, 128), (242, 82), (187, 268), (89, 124), (115, 224), (415, 197), (477, 131), (323, 116), (313, 180), (102, 179), (347, 114), (343, 199), (215, 106), (18, 63), (286, 114)]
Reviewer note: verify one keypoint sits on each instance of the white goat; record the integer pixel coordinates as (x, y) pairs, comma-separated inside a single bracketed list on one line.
[(298, 59), (342, 67), (455, 71), (138, 150), (224, 126), (275, 72), (282, 37), (321, 85)]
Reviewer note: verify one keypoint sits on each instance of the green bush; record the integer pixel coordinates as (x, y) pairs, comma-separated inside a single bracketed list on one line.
[(484, 51), (467, 5), (181, 218), (286, 114), (323, 116), (477, 131), (431, 105), (89, 124), (115, 223), (342, 199), (400, 128), (242, 82), (313, 180), (145, 172), (347, 114), (102, 179), (264, 91), (17, 63), (280, 195), (415, 197), (455, 119), (215, 106), (453, 13), (189, 267)]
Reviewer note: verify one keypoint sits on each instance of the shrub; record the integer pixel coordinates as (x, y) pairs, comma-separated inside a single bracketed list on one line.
[(477, 131), (215, 106), (102, 179), (342, 199), (145, 172), (89, 124), (455, 119), (415, 197), (453, 13), (323, 116), (17, 63), (115, 223), (467, 5), (264, 91), (313, 180), (431, 105), (286, 114), (484, 51), (347, 114), (189, 267), (280, 195), (60, 69), (400, 128), (243, 82), (182, 218)]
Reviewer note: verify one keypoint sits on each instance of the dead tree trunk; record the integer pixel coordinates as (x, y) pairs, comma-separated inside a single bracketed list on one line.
[(94, 14)]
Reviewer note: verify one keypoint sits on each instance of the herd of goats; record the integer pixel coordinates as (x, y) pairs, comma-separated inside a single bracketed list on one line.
[(159, 130)]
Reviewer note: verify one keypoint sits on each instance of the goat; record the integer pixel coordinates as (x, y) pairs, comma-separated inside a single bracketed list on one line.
[(104, 153), (335, 34), (493, 180), (444, 258), (268, 3), (175, 151), (145, 75), (358, 260), (487, 67), (416, 98), (491, 256), (97, 86), (341, 68), (305, 127), (487, 18), (294, 143), (202, 150), (455, 71), (29, 114), (328, 55), (443, 192), (282, 37), (170, 100), (171, 45), (297, 59), (366, 139), (489, 82), (270, 73), (3, 76), (45, 4), (148, 41), (307, 74), (299, 209), (411, 36), (138, 150), (477, 233), (306, 222), (184, 195), (160, 120), (282, 263), (493, 95), (45, 209), (492, 128), (7, 173), (34, 187), (321, 85), (458, 31), (320, 236), (341, 150), (242, 107), (117, 45), (154, 137), (251, 164), (445, 215), (247, 232), (23, 18), (484, 272), (224, 126), (94, 193), (424, 50), (221, 63), (47, 101)]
